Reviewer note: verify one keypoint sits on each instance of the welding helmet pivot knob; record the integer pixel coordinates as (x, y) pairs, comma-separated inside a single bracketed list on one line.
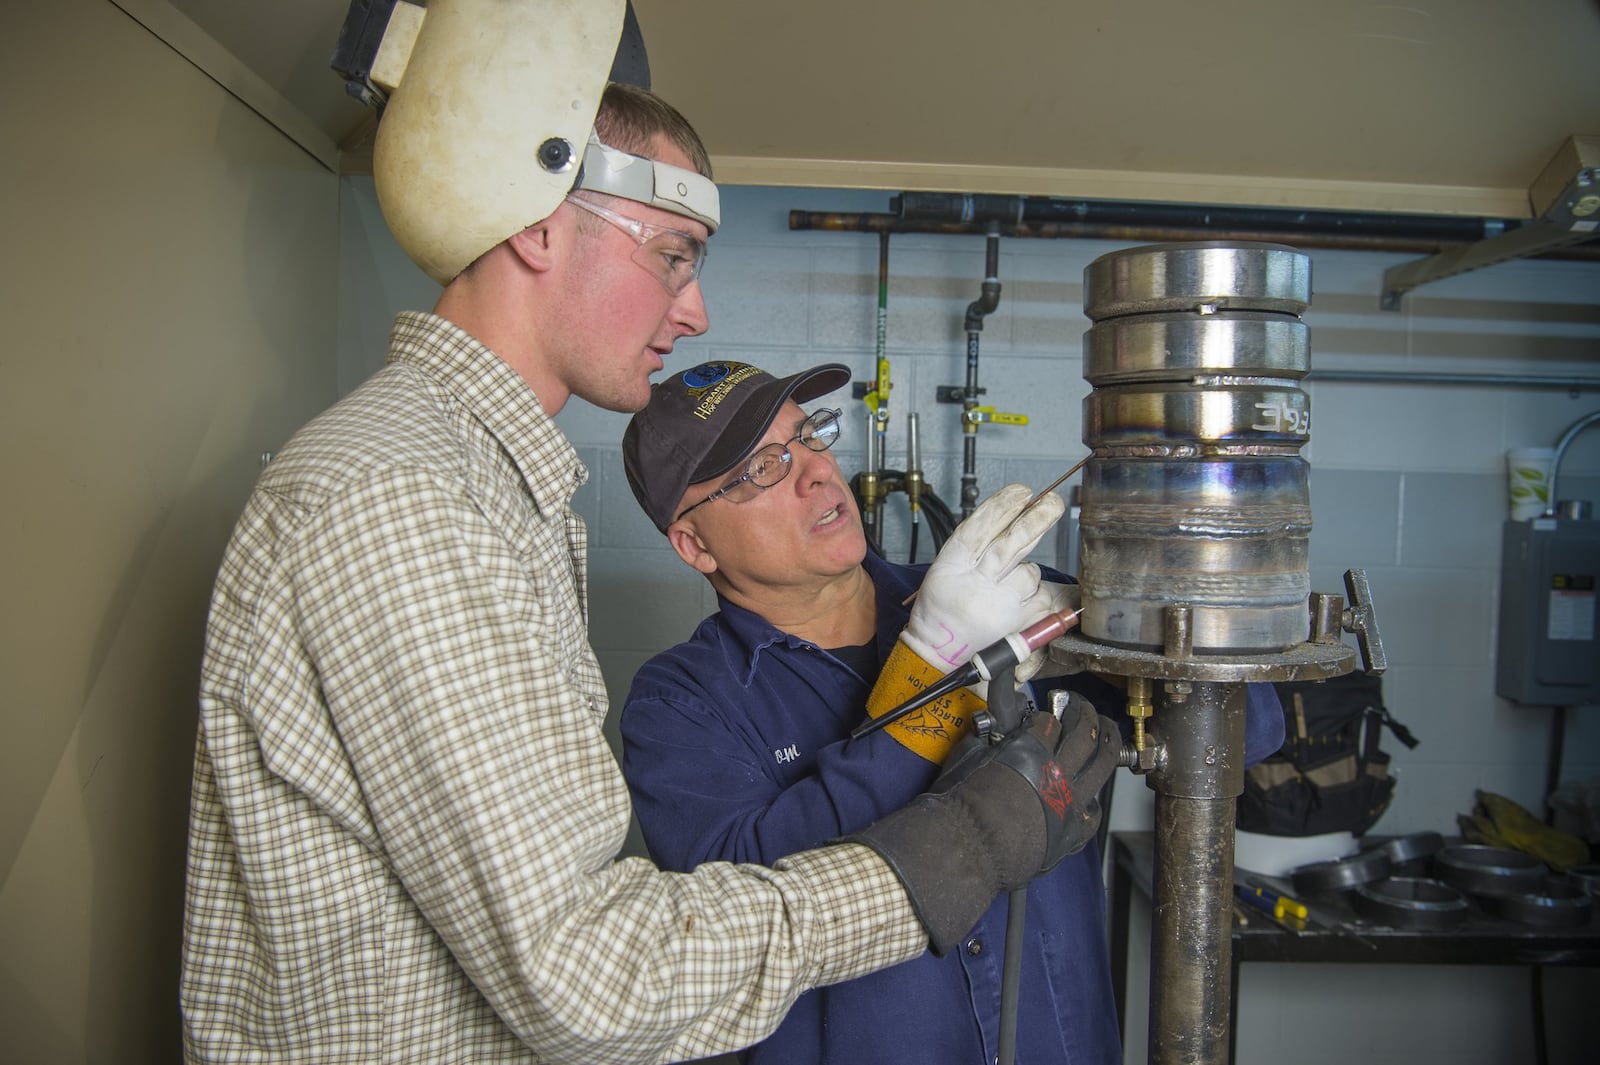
[(555, 155)]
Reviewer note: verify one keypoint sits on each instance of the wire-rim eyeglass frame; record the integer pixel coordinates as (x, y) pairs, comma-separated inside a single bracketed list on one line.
[(769, 465)]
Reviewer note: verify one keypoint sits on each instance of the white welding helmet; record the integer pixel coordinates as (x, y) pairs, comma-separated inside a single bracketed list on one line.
[(490, 123)]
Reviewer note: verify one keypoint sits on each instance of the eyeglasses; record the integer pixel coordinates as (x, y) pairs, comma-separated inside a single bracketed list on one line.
[(770, 464), (673, 256)]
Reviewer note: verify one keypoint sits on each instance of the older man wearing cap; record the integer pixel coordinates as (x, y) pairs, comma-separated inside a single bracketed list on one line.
[(737, 742)]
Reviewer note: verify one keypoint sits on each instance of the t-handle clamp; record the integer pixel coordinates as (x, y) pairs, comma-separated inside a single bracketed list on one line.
[(1361, 619)]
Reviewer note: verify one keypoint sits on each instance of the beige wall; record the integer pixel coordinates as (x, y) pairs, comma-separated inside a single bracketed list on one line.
[(168, 276)]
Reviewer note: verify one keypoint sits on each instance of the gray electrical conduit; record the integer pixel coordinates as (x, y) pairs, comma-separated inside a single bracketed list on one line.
[(1561, 450), (1406, 377)]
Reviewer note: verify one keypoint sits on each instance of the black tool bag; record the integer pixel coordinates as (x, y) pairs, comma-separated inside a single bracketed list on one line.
[(1330, 775)]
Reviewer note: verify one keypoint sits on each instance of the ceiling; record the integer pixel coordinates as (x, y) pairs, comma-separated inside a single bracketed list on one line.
[(1421, 107)]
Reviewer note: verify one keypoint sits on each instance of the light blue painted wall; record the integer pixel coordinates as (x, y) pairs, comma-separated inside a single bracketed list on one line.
[(1407, 481)]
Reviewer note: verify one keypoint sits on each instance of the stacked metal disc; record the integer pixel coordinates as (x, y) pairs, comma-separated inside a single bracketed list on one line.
[(1196, 493)]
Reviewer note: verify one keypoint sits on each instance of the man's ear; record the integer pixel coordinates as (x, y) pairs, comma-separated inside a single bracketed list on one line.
[(535, 245), (693, 550)]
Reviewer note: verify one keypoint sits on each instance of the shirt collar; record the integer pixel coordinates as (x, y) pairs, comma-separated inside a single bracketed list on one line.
[(500, 400), (746, 635)]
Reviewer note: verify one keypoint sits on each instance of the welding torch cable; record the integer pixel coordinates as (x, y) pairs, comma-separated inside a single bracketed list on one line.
[(1004, 653)]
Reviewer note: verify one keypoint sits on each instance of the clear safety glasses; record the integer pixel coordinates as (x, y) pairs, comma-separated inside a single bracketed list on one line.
[(671, 255), (770, 464)]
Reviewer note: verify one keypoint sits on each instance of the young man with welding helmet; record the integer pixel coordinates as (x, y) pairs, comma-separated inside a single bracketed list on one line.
[(406, 821), (738, 745)]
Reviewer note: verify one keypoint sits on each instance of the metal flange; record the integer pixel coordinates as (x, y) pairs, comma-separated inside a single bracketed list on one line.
[(1489, 871), (1559, 903), (1407, 902), (1416, 847), (1202, 277), (1171, 347), (1587, 877), (1341, 874), (1306, 661)]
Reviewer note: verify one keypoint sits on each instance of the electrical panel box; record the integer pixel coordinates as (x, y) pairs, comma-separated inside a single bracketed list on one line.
[(1548, 652)]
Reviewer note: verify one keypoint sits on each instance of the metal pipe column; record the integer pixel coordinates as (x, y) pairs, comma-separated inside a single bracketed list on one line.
[(1193, 572), (1202, 733)]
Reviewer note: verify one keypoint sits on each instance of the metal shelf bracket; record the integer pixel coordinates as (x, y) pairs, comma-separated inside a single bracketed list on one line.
[(1566, 206)]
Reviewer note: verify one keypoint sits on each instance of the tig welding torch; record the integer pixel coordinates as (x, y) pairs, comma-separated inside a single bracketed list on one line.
[(1003, 654)]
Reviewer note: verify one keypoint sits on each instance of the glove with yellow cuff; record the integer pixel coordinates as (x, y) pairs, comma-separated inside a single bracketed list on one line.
[(979, 588)]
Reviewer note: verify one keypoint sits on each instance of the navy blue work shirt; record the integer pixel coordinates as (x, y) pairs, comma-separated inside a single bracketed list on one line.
[(736, 748)]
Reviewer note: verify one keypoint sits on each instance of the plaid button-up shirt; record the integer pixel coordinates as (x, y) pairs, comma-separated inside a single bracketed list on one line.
[(406, 818)]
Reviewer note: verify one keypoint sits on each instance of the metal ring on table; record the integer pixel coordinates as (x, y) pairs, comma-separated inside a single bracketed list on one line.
[(1406, 902), (1587, 877), (1560, 902), (1341, 874), (1415, 847), (1489, 871)]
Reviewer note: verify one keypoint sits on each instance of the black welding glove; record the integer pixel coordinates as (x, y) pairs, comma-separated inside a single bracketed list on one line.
[(997, 816)]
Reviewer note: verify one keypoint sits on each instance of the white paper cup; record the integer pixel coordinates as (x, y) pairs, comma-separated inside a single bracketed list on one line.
[(1528, 480)]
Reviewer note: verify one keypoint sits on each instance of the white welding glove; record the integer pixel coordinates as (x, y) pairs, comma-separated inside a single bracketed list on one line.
[(979, 588)]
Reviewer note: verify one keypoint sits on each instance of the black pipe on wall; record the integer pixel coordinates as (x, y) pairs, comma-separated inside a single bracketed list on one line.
[(959, 214), (939, 206)]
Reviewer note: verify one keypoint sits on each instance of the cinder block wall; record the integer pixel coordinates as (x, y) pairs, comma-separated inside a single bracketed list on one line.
[(1407, 481)]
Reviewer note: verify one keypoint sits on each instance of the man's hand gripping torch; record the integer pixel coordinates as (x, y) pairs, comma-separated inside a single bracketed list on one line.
[(1055, 778), (999, 657)]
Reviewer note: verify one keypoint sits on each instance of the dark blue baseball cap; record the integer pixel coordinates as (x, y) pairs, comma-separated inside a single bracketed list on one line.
[(704, 422)]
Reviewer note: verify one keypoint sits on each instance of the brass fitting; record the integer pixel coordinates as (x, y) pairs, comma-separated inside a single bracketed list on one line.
[(1139, 708), (870, 490), (915, 486)]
